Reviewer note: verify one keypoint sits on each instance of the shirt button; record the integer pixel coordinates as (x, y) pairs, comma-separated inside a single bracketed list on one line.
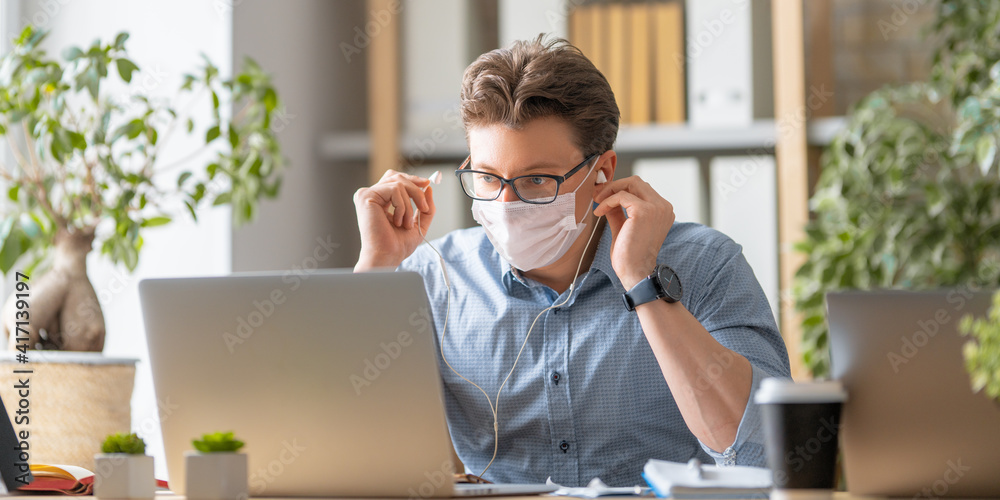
[(564, 446), (556, 377)]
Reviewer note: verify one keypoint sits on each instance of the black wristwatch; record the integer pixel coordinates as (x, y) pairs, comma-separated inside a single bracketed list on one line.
[(662, 284)]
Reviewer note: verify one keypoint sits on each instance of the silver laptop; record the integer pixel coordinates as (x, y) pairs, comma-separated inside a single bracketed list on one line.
[(912, 425), (331, 379)]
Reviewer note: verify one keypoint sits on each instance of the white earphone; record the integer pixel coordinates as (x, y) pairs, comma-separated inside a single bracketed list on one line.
[(495, 404)]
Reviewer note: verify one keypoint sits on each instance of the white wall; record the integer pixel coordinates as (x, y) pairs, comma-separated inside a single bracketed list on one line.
[(323, 91), (166, 40), (525, 19)]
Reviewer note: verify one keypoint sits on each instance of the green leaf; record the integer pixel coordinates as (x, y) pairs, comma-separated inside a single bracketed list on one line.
[(219, 442), (131, 130), (93, 82), (212, 134), (25, 35), (199, 193), (156, 221), (190, 125), (183, 177), (77, 140), (72, 53), (124, 443), (13, 192), (126, 68), (120, 40), (222, 199), (270, 99), (190, 208), (986, 150), (215, 100), (15, 244), (272, 190)]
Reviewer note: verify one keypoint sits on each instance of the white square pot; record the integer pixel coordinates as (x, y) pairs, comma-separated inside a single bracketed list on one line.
[(118, 475), (215, 476)]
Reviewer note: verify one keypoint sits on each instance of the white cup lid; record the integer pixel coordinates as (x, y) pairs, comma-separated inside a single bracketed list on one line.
[(784, 390)]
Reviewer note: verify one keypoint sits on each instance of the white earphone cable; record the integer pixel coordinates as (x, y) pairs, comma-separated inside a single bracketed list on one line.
[(495, 407)]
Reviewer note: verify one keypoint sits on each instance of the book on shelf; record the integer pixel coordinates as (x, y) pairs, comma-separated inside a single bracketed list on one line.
[(640, 79), (639, 47), (619, 70), (669, 62)]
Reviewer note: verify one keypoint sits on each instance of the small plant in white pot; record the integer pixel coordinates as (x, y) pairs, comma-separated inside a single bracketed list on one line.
[(124, 470), (217, 470)]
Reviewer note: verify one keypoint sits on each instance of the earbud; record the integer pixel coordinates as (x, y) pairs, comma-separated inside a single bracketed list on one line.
[(601, 178)]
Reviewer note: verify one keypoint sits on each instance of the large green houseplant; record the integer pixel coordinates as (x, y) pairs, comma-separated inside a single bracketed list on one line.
[(86, 167), (909, 194)]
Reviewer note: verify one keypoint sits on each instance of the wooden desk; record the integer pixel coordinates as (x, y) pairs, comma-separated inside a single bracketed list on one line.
[(840, 495)]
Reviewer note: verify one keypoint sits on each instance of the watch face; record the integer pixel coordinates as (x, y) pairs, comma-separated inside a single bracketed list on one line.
[(670, 283)]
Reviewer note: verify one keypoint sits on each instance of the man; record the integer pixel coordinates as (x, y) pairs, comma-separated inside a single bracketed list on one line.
[(600, 386)]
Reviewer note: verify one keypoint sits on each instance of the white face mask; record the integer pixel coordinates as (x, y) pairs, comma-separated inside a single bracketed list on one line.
[(528, 235)]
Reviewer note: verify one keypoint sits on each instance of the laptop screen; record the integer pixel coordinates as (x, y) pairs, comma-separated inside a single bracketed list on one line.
[(14, 454)]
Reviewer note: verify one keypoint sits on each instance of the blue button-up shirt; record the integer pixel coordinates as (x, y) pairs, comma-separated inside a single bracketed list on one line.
[(587, 398)]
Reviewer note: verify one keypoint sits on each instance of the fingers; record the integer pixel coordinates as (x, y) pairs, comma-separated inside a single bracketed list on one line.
[(400, 207), (425, 216), (411, 184), (394, 192), (615, 202), (632, 184)]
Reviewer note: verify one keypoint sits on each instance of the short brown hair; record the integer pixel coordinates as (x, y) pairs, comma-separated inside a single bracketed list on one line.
[(534, 79)]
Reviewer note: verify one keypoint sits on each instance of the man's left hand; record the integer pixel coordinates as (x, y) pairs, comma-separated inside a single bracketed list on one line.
[(637, 238)]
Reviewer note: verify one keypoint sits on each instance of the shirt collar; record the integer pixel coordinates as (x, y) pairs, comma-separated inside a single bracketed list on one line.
[(602, 263)]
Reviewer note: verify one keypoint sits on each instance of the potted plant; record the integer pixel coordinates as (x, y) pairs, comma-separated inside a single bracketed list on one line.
[(91, 166), (124, 470), (216, 470), (909, 194), (88, 168), (982, 351)]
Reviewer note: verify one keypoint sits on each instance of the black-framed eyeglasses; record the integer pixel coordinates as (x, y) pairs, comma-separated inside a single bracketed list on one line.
[(538, 189)]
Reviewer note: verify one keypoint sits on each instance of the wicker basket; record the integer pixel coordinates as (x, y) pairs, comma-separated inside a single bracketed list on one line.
[(76, 399)]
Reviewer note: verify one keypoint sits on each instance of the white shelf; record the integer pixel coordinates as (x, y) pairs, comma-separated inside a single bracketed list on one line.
[(632, 139), (684, 138), (354, 146)]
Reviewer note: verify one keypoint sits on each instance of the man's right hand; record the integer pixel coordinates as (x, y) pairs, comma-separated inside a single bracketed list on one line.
[(388, 221)]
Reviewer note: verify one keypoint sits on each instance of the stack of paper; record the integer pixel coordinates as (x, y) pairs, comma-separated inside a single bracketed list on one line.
[(693, 480)]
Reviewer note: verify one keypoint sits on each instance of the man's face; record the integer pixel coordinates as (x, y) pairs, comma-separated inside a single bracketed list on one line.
[(543, 146)]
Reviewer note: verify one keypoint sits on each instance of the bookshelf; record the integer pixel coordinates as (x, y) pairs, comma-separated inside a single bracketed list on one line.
[(385, 143)]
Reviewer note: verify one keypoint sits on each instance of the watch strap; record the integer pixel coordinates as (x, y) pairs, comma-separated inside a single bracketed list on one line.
[(644, 291)]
